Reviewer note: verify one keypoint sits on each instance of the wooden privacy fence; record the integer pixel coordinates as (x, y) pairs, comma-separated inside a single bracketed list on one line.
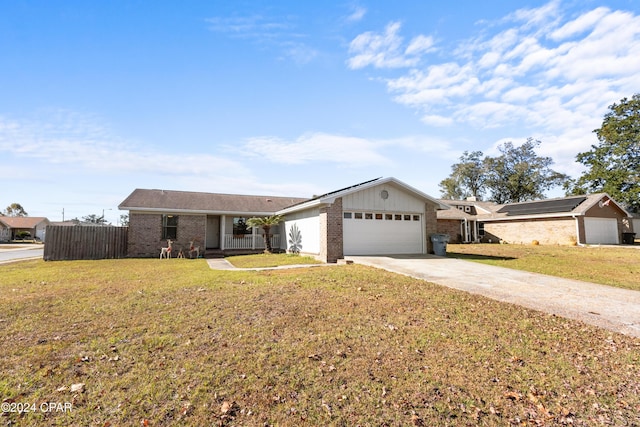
[(85, 242)]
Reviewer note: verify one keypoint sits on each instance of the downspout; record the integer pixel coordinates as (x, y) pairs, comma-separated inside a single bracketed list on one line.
[(577, 231)]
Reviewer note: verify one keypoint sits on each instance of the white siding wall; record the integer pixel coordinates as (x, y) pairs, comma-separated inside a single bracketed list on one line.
[(308, 222), (398, 200)]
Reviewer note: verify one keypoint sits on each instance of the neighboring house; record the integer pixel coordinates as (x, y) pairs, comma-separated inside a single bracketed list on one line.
[(382, 216), (461, 222), (11, 226), (590, 219)]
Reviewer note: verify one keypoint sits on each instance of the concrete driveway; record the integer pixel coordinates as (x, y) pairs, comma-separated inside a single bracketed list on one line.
[(604, 306)]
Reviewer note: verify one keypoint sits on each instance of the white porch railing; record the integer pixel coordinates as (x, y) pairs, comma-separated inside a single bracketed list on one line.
[(249, 241)]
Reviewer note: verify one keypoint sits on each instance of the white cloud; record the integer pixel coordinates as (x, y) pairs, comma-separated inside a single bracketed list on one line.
[(317, 147), (420, 44), (358, 13), (278, 33), (385, 50), (80, 143), (535, 69), (580, 25)]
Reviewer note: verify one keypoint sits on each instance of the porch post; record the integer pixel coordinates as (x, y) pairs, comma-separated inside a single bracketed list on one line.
[(253, 238), (223, 236)]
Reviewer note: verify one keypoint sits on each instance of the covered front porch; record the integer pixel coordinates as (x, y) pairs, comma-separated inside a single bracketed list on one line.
[(227, 233)]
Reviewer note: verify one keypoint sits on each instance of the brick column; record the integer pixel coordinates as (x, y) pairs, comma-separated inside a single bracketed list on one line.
[(431, 224), (331, 235)]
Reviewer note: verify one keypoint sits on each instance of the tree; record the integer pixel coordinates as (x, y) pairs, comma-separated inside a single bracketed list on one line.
[(94, 219), (15, 209), (613, 166), (266, 223), (467, 177), (124, 220), (519, 174)]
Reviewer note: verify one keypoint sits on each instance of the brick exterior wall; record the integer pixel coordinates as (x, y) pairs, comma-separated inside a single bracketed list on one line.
[(559, 231), (331, 232), (431, 224), (145, 234), (452, 228)]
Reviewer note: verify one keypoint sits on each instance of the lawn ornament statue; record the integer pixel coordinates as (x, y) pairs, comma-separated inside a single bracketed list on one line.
[(180, 253), (166, 252), (193, 249)]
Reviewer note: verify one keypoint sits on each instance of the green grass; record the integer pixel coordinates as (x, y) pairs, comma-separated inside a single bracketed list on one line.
[(611, 266), (270, 260), (165, 343)]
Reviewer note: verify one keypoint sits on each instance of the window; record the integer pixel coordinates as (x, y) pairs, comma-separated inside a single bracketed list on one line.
[(481, 229), (358, 215), (347, 215), (240, 226), (169, 227), (368, 216), (388, 217), (407, 217), (378, 216), (416, 217), (398, 217)]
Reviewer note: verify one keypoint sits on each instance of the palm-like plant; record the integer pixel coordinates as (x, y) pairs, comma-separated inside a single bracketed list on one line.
[(266, 223)]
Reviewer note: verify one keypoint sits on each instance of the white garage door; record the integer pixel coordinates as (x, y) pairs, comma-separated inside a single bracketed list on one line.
[(601, 231), (382, 234)]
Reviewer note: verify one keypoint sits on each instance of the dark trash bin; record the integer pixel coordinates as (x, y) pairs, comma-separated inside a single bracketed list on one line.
[(628, 238), (440, 244)]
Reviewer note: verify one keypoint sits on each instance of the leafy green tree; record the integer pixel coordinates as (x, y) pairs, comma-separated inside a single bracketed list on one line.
[(519, 174), (467, 177), (94, 219), (15, 209), (124, 220), (613, 166), (266, 223)]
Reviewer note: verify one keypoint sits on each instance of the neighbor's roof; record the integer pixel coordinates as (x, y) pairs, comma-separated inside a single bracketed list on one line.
[(211, 203), (23, 221), (556, 207), (330, 197), (546, 208), (455, 213)]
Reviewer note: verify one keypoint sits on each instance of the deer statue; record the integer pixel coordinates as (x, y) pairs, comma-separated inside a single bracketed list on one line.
[(166, 252), (193, 249)]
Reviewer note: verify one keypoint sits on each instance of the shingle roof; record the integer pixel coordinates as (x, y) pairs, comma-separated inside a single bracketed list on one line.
[(23, 221), (546, 208), (329, 197), (185, 201)]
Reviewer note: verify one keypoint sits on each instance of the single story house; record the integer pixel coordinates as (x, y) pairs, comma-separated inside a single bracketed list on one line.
[(12, 226), (211, 221), (587, 219), (381, 216)]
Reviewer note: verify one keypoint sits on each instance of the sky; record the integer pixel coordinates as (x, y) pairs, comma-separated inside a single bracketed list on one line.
[(293, 98)]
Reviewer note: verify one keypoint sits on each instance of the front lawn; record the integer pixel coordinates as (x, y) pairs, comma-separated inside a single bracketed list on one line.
[(165, 343), (612, 266), (270, 260)]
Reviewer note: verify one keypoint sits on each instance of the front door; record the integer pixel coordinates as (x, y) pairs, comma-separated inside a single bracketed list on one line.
[(213, 232)]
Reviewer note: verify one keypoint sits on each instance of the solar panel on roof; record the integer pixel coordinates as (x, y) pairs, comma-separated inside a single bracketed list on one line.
[(542, 206)]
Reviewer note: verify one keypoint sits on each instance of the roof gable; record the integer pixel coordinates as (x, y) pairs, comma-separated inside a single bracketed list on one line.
[(329, 198)]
